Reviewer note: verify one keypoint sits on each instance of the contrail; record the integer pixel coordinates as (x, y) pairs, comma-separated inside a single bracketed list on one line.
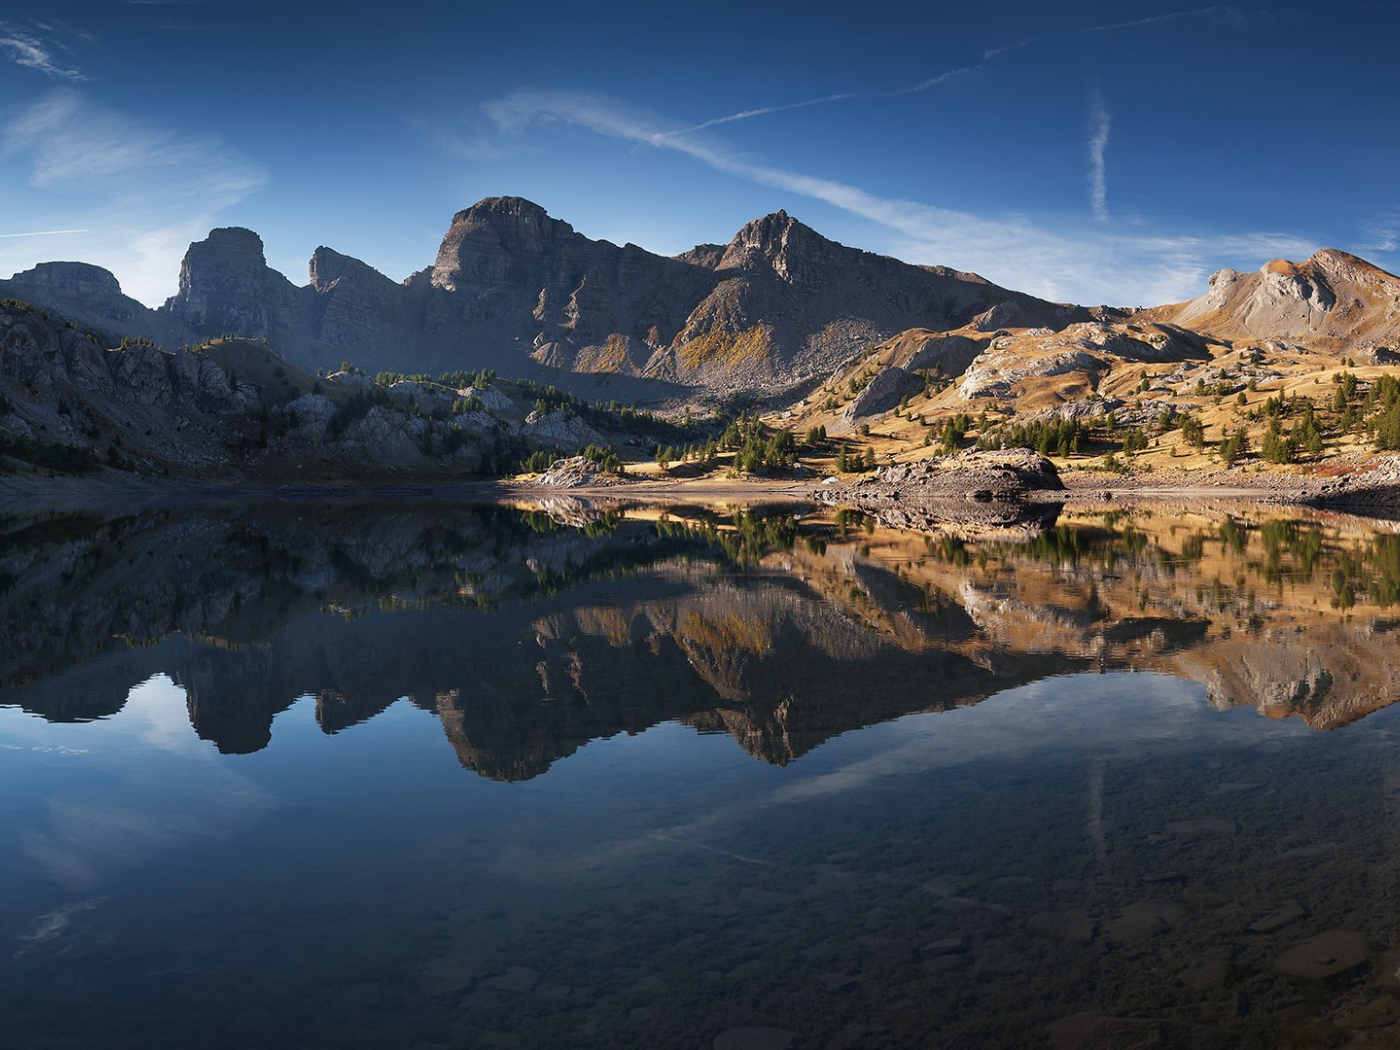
[(763, 111), (1217, 13), (1227, 14), (41, 233)]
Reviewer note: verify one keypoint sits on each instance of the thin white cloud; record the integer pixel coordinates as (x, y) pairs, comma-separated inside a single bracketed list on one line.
[(763, 111), (472, 145), (1217, 13), (133, 185), (79, 145), (993, 52), (1099, 121), (1232, 15), (31, 52), (40, 233), (1383, 235), (1078, 266)]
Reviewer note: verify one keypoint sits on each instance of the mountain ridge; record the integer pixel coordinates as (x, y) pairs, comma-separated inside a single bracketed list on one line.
[(1331, 298), (515, 289)]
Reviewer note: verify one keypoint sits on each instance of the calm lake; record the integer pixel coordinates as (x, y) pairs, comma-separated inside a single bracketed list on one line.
[(396, 775)]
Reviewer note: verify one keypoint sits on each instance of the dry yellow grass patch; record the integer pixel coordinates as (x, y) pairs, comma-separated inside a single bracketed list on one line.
[(752, 345)]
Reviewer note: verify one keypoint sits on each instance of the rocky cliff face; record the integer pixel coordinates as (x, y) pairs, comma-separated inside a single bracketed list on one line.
[(226, 286), (516, 277), (72, 279)]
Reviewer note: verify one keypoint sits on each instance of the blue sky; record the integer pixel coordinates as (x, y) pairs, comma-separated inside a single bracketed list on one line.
[(1094, 152)]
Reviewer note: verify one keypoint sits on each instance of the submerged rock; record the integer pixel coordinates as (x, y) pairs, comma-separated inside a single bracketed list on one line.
[(1325, 955)]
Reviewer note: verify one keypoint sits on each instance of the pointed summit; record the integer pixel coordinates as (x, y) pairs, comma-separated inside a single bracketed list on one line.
[(791, 249)]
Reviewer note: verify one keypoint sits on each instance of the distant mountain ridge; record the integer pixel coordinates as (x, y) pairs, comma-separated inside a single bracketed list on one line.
[(515, 289), (1330, 301)]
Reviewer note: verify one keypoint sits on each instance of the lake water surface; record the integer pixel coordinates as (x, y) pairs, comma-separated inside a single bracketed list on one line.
[(417, 776)]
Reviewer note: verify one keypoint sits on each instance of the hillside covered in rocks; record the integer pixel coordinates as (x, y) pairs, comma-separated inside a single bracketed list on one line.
[(232, 409)]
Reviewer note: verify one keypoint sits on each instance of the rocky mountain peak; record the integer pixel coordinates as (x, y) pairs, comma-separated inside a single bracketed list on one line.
[(232, 241), (780, 243), (226, 251), (226, 285), (492, 230), (1336, 263), (773, 233)]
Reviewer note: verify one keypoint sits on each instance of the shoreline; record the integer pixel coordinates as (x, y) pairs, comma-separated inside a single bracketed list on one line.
[(1362, 487)]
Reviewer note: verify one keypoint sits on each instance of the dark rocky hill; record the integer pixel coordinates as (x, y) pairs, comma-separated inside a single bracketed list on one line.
[(70, 403)]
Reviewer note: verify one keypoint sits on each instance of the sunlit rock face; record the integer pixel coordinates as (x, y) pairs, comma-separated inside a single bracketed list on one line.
[(1330, 300)]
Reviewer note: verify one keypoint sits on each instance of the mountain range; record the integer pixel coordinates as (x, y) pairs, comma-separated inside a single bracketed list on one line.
[(274, 380), (516, 290)]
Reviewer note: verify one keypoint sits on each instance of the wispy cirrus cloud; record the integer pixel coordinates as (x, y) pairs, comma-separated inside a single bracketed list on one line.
[(128, 183), (1074, 265), (32, 50), (77, 144), (1383, 234), (1099, 123)]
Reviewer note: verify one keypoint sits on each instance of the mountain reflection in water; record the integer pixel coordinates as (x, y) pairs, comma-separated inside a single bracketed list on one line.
[(530, 634), (1093, 857)]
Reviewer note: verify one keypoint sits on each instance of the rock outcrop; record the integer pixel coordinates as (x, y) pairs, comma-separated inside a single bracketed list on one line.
[(1054, 367), (972, 494), (906, 364)]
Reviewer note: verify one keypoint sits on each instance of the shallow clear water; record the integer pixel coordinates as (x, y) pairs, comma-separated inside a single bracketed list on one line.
[(384, 777)]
